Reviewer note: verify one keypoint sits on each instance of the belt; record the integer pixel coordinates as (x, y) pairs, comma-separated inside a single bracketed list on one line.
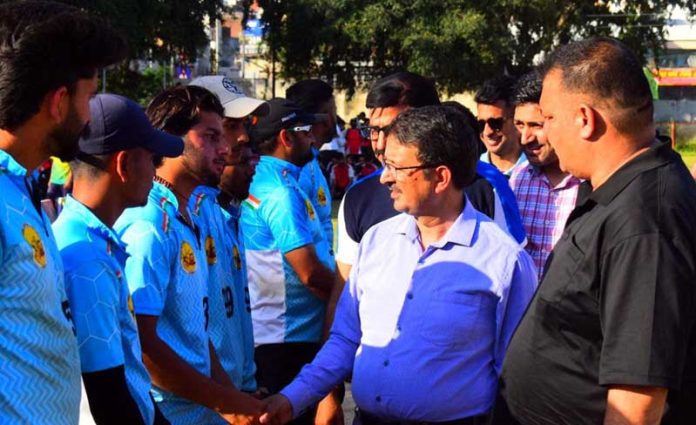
[(365, 418)]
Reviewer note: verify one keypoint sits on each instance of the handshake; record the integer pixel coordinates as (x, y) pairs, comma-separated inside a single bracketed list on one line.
[(274, 410)]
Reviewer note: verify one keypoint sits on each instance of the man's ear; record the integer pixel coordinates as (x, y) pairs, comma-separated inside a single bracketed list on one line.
[(587, 120), (57, 103), (443, 178), (120, 163), (285, 139)]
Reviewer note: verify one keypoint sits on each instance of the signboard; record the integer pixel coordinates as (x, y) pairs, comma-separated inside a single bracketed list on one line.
[(675, 76)]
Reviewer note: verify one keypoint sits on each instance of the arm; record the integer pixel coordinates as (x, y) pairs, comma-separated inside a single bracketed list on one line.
[(312, 273), (634, 405), (109, 399), (169, 372), (342, 273), (216, 370)]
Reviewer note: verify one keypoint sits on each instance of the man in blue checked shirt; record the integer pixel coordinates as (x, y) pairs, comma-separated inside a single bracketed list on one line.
[(44, 105), (167, 269), (113, 171), (289, 259), (229, 322), (424, 326)]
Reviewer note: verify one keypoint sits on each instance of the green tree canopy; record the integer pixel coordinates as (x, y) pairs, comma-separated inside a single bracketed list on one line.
[(458, 43)]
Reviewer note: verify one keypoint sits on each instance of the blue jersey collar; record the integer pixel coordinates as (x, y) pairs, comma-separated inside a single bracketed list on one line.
[(93, 223), (280, 165)]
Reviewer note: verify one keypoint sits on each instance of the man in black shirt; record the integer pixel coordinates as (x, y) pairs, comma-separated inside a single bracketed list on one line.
[(609, 337)]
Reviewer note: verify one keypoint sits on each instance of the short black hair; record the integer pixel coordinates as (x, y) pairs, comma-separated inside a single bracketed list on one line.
[(177, 109), (310, 95), (470, 120), (442, 136), (402, 89), (497, 89), (528, 88), (44, 46), (608, 71)]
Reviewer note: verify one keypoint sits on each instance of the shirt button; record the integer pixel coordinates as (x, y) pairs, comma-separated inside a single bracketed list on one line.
[(409, 295), (386, 363), (378, 398)]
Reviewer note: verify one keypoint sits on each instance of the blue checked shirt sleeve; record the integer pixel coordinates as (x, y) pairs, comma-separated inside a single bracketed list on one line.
[(514, 301), (147, 267), (334, 361), (285, 211), (93, 292)]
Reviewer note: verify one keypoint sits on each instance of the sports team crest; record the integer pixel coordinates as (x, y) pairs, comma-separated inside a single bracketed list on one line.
[(32, 237), (131, 309), (237, 258), (188, 260), (310, 210), (321, 196), (210, 251), (231, 87)]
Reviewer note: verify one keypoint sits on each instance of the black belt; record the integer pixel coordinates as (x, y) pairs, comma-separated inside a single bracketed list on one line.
[(365, 418)]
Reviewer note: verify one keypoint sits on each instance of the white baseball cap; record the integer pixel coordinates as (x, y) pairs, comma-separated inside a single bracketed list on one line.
[(232, 97)]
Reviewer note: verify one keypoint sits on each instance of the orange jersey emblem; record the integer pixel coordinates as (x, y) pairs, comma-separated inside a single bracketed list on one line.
[(34, 240), (188, 259)]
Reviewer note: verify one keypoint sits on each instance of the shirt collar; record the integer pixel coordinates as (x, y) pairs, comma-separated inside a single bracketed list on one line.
[(568, 181), (8, 163), (461, 232), (657, 155), (93, 222), (161, 193), (280, 165)]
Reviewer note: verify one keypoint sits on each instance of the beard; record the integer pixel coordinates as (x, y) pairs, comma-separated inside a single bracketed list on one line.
[(195, 165), (63, 141)]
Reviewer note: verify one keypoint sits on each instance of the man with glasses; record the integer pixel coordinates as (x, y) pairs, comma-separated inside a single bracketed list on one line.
[(424, 325), (291, 269), (495, 112)]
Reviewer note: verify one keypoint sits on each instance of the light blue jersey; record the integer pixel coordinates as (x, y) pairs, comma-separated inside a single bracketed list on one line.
[(94, 259), (278, 218), (224, 261), (168, 278), (314, 185), (242, 300), (39, 362)]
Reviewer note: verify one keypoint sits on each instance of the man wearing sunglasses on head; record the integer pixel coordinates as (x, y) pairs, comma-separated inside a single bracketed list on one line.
[(291, 269), (495, 112)]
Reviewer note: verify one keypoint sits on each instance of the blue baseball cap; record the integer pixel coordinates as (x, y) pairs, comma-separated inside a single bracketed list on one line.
[(119, 124)]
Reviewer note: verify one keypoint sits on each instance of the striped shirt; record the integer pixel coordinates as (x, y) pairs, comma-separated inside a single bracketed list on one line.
[(544, 209)]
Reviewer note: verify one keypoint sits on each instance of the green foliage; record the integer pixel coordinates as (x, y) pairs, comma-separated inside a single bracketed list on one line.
[(141, 87), (458, 43)]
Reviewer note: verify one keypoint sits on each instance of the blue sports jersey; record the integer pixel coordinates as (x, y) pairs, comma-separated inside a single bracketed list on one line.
[(242, 300), (94, 259), (315, 186), (225, 324), (39, 362), (278, 218), (168, 277)]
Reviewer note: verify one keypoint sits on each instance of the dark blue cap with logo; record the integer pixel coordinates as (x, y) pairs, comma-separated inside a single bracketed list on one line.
[(119, 124), (282, 114)]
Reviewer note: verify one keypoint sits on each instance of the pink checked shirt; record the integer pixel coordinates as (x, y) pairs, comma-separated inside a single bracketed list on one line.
[(544, 209)]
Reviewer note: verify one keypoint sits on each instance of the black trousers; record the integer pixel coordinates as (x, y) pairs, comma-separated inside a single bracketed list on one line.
[(278, 364)]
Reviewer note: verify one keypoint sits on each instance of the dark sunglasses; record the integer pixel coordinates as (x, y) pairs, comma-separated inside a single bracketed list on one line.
[(496, 124)]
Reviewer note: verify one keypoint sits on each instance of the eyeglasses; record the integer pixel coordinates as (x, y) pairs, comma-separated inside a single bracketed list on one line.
[(496, 124), (301, 128), (373, 130), (399, 171)]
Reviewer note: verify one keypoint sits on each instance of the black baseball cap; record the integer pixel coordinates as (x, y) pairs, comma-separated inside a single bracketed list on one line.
[(119, 124), (282, 114)]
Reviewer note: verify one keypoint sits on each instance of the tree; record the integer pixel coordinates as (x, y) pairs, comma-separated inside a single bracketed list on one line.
[(458, 43)]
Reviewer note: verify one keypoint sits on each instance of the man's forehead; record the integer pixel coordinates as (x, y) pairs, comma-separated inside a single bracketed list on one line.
[(384, 115)]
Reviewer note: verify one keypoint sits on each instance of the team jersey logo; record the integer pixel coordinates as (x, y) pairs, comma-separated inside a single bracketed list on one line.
[(32, 237), (310, 210), (210, 252), (188, 260), (321, 196), (237, 258), (131, 309)]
